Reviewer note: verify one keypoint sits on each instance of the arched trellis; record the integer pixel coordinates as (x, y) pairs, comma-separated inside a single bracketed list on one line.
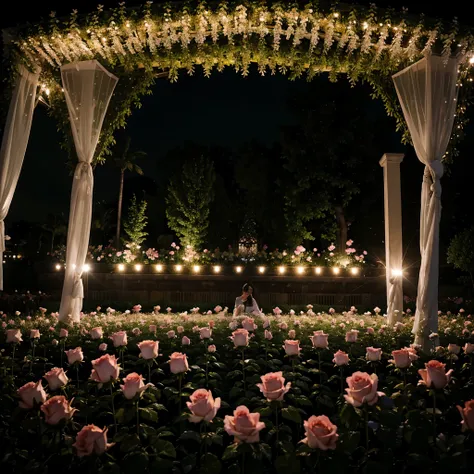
[(362, 44)]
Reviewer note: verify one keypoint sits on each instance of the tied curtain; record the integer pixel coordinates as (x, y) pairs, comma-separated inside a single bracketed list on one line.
[(88, 88), (14, 143), (427, 92)]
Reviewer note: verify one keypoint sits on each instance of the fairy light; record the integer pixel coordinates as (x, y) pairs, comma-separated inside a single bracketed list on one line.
[(336, 270), (138, 267), (86, 268), (121, 267), (471, 60), (58, 267), (281, 270), (238, 269), (365, 25), (397, 272), (354, 270), (178, 268), (196, 268), (261, 270), (217, 269), (318, 270), (300, 270), (159, 268)]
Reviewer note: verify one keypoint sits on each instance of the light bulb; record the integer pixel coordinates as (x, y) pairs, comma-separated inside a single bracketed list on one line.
[(281, 270), (178, 268), (300, 270), (261, 269), (336, 270), (138, 267), (217, 269), (159, 268), (238, 269), (354, 270), (397, 272), (196, 268), (121, 267), (318, 270), (58, 267), (86, 267)]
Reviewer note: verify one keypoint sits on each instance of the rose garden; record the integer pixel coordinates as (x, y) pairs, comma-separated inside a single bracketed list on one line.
[(352, 363)]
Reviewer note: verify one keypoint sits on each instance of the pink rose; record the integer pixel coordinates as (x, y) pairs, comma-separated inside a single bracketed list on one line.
[(152, 327), (56, 378), (277, 311), (105, 369), (211, 348), (266, 323), (268, 335), (55, 342), (205, 333), (137, 308), (292, 347), (185, 341), (180, 329), (103, 347), (291, 333), (467, 414), (148, 349), (178, 363), (373, 354), (370, 331), (63, 333), (319, 340), (35, 334), (435, 375), (30, 394), (401, 358), (249, 324), (202, 406), (351, 336), (133, 385), (341, 358), (218, 309), (320, 433), (273, 386), (468, 348), (171, 334), (57, 409), (240, 338), (96, 333), (244, 426), (14, 336), (454, 349), (74, 355), (362, 389), (211, 324), (119, 338), (136, 331), (91, 439), (283, 326)]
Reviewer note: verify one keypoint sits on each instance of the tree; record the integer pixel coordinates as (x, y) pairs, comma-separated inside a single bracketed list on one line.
[(125, 161), (461, 252), (136, 223), (188, 201), (56, 225)]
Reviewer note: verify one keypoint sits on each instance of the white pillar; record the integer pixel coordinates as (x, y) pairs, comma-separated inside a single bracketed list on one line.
[(390, 163)]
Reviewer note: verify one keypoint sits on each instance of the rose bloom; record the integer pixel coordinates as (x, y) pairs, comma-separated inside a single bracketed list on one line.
[(148, 349), (119, 338), (273, 386), (467, 414), (292, 347), (240, 338), (103, 347), (266, 323), (171, 334), (56, 378), (454, 349), (136, 331), (202, 406), (211, 348), (218, 309), (180, 329), (35, 334), (178, 363), (468, 348), (74, 355), (244, 426), (205, 333), (249, 324), (211, 323), (185, 341), (283, 326), (435, 375), (96, 333), (373, 354), (320, 433), (30, 394), (91, 439), (105, 369), (133, 385), (233, 325), (341, 358), (268, 335), (54, 342), (291, 333), (370, 331), (152, 327), (351, 336), (14, 336), (362, 389), (401, 358), (319, 340), (57, 409), (63, 333)]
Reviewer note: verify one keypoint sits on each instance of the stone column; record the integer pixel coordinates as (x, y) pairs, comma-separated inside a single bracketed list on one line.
[(390, 163)]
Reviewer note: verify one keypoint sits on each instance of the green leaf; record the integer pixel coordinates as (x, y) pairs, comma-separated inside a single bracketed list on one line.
[(130, 442), (230, 452), (264, 411), (350, 441), (266, 450), (303, 401), (134, 462), (291, 414), (148, 414), (287, 464), (164, 448), (210, 464), (190, 435)]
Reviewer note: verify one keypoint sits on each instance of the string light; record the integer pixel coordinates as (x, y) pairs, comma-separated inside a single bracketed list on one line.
[(397, 272), (281, 270), (57, 266), (138, 267), (238, 269), (471, 60), (217, 269), (300, 270), (121, 267), (354, 270), (86, 268), (159, 268), (318, 270), (261, 270), (178, 268), (336, 270), (196, 268)]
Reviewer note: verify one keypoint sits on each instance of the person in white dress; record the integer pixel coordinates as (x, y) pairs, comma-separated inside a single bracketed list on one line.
[(246, 303)]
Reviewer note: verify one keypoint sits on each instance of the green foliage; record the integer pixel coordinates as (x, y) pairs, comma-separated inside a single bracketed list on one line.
[(461, 251), (188, 201), (136, 222)]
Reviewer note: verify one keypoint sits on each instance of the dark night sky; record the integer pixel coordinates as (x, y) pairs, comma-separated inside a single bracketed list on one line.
[(223, 110)]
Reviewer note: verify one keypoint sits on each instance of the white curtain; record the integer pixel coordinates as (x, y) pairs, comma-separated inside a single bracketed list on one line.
[(15, 139), (88, 87), (427, 92)]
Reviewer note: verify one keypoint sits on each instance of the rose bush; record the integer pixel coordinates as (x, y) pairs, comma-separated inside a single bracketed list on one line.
[(277, 393)]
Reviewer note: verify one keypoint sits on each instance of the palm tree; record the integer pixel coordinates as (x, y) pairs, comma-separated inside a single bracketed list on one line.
[(126, 161), (56, 225)]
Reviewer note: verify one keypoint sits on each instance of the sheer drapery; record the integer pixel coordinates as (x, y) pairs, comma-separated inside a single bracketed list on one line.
[(427, 92), (14, 143), (88, 87)]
